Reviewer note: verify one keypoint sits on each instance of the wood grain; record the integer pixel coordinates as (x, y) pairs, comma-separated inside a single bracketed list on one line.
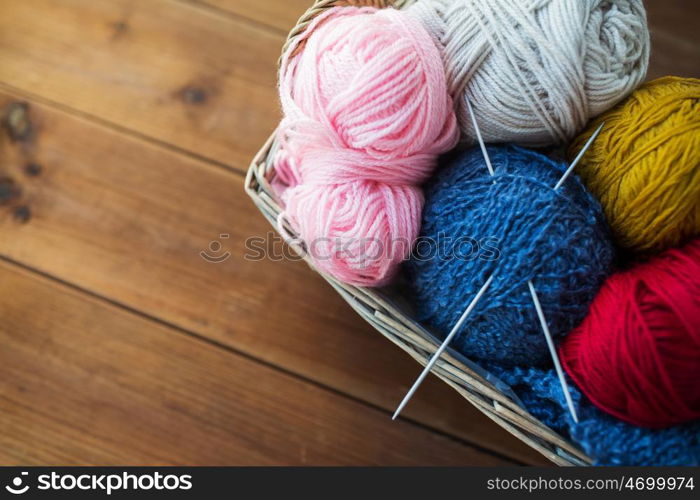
[(127, 220), (166, 69), (281, 15), (82, 381)]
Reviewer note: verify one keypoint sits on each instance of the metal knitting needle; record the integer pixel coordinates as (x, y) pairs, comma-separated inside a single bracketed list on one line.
[(478, 136), (469, 308), (442, 347), (579, 156), (552, 351), (535, 299)]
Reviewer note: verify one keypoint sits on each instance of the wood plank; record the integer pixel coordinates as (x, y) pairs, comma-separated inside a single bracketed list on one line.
[(127, 220), (170, 70), (675, 38), (85, 382), (279, 14)]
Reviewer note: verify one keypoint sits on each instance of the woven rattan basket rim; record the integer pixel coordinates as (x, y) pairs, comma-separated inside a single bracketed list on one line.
[(378, 310)]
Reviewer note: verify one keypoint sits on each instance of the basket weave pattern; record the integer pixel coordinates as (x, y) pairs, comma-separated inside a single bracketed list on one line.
[(378, 308)]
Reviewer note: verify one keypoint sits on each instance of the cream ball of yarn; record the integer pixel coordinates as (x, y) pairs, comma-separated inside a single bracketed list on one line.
[(535, 71)]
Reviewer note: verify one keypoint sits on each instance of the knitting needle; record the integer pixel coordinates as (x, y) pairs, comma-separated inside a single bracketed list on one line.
[(478, 136), (443, 346), (579, 156), (469, 308), (552, 351), (535, 299)]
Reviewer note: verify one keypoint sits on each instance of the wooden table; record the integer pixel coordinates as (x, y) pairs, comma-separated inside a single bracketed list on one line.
[(128, 125)]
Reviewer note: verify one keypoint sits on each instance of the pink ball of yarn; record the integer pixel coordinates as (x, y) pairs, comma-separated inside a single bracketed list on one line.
[(366, 113)]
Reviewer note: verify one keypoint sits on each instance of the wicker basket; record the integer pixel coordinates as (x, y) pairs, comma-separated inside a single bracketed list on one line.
[(379, 308)]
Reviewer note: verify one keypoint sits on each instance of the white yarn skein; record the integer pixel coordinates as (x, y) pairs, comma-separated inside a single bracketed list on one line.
[(536, 71)]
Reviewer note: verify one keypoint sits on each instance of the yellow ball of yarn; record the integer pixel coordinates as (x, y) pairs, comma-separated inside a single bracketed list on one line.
[(644, 167)]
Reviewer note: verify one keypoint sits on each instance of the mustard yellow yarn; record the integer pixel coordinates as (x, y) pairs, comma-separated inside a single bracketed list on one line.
[(645, 165)]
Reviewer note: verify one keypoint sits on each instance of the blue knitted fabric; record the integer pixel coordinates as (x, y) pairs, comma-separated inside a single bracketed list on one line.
[(607, 440), (557, 239)]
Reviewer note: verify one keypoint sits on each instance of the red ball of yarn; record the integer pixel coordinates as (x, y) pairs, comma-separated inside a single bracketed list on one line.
[(637, 354)]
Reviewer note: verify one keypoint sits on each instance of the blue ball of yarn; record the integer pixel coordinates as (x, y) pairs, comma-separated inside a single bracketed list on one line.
[(514, 225), (607, 440)]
